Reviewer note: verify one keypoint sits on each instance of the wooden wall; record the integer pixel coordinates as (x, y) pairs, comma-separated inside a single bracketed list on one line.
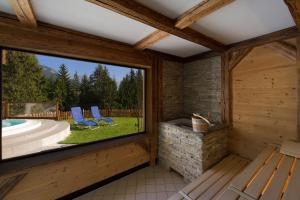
[(57, 179), (264, 101)]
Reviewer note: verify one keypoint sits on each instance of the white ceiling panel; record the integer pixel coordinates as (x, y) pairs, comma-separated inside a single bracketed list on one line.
[(245, 19), (178, 47), (170, 8), (5, 7), (86, 17)]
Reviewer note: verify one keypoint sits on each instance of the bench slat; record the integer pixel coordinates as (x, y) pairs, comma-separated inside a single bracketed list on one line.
[(275, 187), (293, 189), (229, 195), (190, 187), (176, 196), (214, 189), (242, 179), (256, 186), (213, 179)]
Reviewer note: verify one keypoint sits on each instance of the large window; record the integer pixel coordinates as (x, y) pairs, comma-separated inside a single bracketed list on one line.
[(51, 102)]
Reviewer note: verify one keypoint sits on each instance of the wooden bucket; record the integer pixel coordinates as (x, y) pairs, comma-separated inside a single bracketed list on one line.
[(199, 125)]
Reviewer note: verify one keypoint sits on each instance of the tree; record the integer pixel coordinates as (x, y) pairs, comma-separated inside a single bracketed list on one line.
[(104, 87), (75, 87), (85, 92), (63, 88), (22, 78)]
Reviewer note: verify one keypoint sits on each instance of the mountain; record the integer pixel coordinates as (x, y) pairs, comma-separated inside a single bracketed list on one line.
[(49, 72)]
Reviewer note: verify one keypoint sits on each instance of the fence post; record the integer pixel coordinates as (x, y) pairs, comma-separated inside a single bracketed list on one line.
[(57, 111)]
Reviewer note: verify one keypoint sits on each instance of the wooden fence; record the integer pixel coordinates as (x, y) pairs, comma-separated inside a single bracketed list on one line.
[(104, 112), (60, 115)]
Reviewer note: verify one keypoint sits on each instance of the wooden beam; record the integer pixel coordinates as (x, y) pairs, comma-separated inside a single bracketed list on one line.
[(65, 42), (204, 55), (24, 12), (137, 11), (264, 39), (3, 61), (284, 48), (298, 101), (199, 11), (294, 7), (236, 57), (186, 19), (151, 39)]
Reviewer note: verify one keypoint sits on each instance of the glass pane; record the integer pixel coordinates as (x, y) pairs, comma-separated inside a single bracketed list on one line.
[(52, 102)]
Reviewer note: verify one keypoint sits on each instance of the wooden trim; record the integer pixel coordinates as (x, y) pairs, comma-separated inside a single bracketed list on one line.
[(3, 57), (298, 102), (137, 11), (24, 12), (294, 7), (151, 39), (208, 54), (284, 48), (225, 85), (236, 57), (199, 11), (264, 39)]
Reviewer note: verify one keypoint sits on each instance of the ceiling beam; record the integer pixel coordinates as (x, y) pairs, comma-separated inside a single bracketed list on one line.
[(141, 13), (265, 39), (294, 7), (186, 19), (250, 43), (151, 39), (24, 12), (199, 11)]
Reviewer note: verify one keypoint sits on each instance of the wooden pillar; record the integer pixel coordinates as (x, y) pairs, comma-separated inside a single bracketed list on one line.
[(225, 85), (3, 61), (153, 139), (298, 98)]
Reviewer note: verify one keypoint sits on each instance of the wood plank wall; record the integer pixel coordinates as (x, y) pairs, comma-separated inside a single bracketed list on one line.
[(264, 101), (57, 179)]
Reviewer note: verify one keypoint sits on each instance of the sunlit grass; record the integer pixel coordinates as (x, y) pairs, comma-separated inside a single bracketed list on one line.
[(120, 127)]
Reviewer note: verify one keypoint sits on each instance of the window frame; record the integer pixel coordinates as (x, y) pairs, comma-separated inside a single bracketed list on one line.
[(51, 155)]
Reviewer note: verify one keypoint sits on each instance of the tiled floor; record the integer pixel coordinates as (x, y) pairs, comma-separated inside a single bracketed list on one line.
[(151, 183)]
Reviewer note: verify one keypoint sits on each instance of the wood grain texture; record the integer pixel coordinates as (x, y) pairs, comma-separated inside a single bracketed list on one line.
[(284, 48), (264, 39), (294, 7), (24, 12), (137, 11), (7, 184), (264, 101), (199, 11), (57, 179), (151, 39), (56, 40)]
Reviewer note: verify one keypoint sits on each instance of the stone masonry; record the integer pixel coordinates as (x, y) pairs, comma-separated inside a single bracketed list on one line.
[(187, 152)]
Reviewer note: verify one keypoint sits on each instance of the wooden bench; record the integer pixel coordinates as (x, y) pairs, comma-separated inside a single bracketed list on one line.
[(213, 182), (270, 176)]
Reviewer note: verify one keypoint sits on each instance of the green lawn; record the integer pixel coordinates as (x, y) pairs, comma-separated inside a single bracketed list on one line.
[(121, 126)]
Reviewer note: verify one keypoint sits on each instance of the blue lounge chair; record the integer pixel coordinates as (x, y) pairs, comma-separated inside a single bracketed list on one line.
[(97, 116), (79, 119)]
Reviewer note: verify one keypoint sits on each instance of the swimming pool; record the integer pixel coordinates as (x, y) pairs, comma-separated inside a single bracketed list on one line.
[(12, 122)]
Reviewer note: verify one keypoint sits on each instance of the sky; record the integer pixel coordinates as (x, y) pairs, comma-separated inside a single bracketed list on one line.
[(81, 67)]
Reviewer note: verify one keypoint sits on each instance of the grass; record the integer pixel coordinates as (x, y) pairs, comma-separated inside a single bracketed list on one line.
[(121, 126)]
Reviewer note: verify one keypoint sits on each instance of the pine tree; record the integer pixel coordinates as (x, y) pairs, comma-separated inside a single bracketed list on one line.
[(85, 93), (63, 88), (75, 87), (22, 78)]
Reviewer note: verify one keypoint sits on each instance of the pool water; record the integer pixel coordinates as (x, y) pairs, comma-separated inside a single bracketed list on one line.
[(12, 122)]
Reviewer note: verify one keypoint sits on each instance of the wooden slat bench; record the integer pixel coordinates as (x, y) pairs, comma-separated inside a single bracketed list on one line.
[(270, 176), (213, 182)]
